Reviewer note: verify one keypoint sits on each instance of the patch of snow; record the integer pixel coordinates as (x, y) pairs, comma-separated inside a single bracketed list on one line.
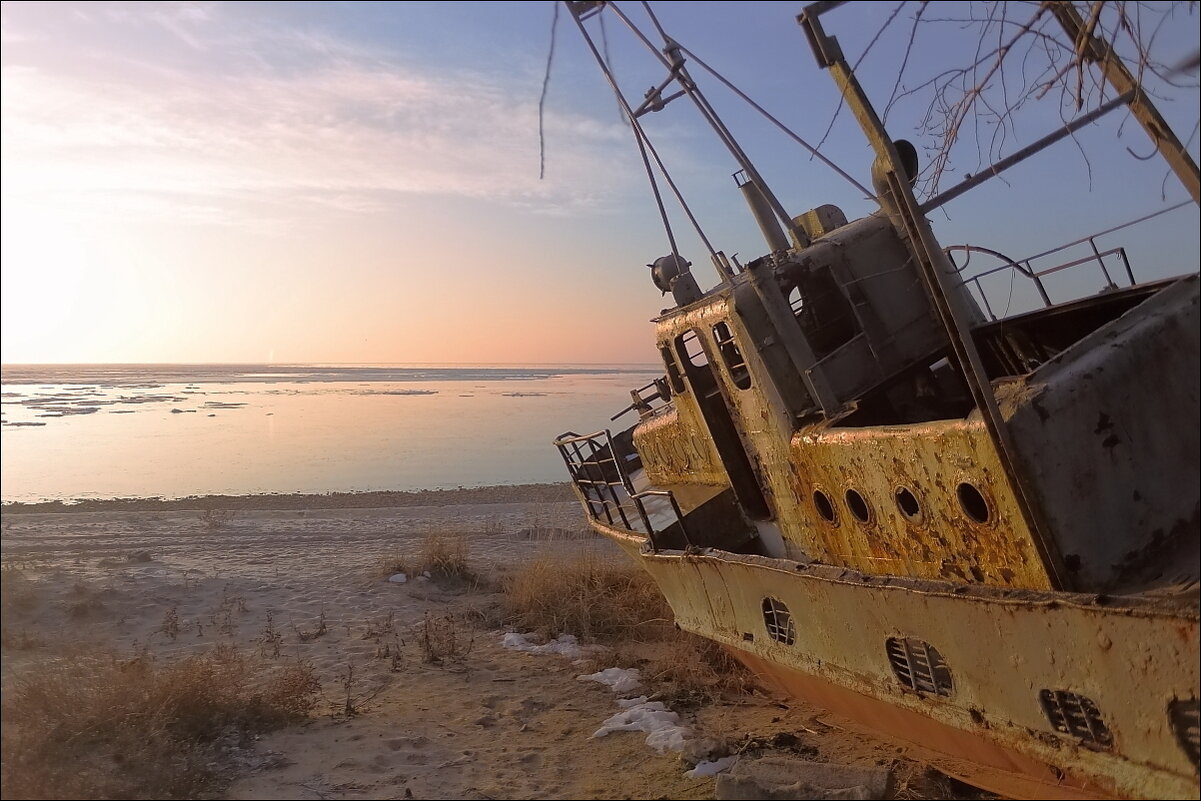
[(564, 645), (664, 732), (619, 680), (399, 578), (711, 768)]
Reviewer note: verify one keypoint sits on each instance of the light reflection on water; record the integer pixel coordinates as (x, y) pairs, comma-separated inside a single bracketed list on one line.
[(245, 435)]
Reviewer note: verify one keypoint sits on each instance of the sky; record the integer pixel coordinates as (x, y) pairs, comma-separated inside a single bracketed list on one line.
[(359, 182)]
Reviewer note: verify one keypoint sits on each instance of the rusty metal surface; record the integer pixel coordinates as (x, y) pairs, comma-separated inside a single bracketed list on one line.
[(1118, 486), (929, 460), (675, 447), (970, 758), (1132, 657)]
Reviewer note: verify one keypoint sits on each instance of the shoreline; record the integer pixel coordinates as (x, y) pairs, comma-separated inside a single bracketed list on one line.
[(370, 499)]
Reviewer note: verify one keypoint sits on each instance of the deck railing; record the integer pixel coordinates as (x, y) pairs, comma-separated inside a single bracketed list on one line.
[(605, 486)]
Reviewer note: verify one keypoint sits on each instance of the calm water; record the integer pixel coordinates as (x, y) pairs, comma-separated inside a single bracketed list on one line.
[(172, 431)]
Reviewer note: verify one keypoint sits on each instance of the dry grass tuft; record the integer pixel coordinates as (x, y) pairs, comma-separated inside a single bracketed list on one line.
[(443, 556), (82, 727), (691, 671), (612, 600), (591, 597)]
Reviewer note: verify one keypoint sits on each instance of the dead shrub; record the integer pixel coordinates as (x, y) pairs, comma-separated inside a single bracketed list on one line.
[(589, 596), (320, 628), (215, 518), (689, 671), (16, 591), (444, 638), (81, 727), (20, 640)]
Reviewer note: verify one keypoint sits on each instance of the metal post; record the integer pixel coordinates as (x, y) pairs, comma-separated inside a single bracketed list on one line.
[(1112, 67)]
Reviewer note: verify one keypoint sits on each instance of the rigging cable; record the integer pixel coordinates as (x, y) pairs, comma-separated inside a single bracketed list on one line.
[(784, 128), (676, 67), (550, 58), (645, 146)]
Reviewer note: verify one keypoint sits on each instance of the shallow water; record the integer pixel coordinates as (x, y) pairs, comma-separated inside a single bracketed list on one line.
[(174, 431)]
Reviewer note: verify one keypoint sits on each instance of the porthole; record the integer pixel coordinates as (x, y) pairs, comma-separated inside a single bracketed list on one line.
[(858, 506), (973, 503), (825, 507), (778, 621), (907, 503)]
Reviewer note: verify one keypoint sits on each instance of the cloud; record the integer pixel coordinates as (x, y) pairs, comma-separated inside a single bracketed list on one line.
[(340, 127)]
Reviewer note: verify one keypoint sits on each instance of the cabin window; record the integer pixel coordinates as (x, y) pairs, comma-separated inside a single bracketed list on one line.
[(689, 346), (821, 310), (858, 506), (732, 356), (673, 371), (825, 507)]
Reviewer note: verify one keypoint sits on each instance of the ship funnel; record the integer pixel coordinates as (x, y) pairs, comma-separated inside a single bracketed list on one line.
[(762, 212)]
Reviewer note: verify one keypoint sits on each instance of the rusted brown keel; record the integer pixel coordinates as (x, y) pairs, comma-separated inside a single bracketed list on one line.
[(965, 756)]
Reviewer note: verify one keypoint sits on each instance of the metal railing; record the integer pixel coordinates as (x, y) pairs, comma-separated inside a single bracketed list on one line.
[(647, 403), (606, 489), (1025, 267)]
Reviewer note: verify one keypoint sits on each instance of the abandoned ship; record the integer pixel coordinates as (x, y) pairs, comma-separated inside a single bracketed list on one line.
[(973, 534)]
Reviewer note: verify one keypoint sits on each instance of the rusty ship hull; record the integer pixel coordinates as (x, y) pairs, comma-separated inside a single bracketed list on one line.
[(976, 534)]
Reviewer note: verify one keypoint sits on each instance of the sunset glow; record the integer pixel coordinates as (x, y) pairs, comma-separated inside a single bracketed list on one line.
[(301, 182)]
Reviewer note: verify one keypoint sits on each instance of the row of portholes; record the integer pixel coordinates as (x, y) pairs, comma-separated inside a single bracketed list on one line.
[(971, 501)]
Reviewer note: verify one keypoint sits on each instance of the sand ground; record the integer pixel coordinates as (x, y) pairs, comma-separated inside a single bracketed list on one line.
[(494, 723)]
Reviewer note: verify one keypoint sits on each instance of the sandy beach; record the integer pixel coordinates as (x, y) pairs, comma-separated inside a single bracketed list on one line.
[(305, 579)]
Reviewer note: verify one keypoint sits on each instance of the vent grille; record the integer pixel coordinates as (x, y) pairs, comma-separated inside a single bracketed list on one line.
[(918, 665), (1186, 722), (778, 621), (1069, 713)]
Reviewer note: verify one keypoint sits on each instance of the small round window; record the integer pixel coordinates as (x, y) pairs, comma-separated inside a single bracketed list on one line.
[(824, 506), (973, 503)]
